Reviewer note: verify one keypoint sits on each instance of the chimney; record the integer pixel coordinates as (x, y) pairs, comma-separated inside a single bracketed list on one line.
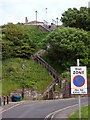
[(26, 20)]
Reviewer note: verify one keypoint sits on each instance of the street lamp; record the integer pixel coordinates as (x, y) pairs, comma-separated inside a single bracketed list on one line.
[(36, 17), (48, 47), (23, 80), (46, 16), (57, 21)]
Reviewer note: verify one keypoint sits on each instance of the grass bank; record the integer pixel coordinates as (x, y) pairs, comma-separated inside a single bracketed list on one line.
[(84, 113), (35, 75)]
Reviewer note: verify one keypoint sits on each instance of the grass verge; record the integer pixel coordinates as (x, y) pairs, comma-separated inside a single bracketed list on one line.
[(84, 113)]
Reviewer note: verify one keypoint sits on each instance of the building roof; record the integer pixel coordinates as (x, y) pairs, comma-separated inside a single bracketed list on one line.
[(34, 22)]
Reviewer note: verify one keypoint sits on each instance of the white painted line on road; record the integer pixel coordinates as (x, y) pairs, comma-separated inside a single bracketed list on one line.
[(9, 108), (62, 110), (53, 113), (15, 106), (66, 108)]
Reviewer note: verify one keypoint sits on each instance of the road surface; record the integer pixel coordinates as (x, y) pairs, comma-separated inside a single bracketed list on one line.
[(41, 109)]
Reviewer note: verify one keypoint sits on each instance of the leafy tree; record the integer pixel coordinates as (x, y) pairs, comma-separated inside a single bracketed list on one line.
[(21, 41), (67, 44), (16, 34), (7, 49), (76, 18), (16, 42)]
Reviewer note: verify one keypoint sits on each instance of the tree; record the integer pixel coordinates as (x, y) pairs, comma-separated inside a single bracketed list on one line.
[(68, 44), (16, 42), (16, 34), (76, 18)]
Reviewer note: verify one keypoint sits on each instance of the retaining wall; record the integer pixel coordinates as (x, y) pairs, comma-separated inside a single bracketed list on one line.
[(66, 89)]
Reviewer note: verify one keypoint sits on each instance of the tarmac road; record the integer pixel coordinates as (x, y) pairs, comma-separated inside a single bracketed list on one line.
[(42, 109)]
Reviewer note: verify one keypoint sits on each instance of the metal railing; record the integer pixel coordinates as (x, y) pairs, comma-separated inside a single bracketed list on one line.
[(53, 72)]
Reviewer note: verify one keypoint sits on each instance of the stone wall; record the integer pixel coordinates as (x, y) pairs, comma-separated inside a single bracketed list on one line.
[(64, 93), (66, 89), (28, 93), (43, 28)]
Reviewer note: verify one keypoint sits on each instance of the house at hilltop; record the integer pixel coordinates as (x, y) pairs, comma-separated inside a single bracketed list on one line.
[(41, 25), (32, 22)]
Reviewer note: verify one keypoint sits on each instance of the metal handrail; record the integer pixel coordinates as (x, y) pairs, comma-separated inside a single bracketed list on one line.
[(53, 71)]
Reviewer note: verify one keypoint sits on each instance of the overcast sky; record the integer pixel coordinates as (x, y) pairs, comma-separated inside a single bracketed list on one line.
[(16, 10)]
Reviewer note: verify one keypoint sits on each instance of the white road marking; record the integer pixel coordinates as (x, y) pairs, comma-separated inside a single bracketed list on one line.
[(53, 113), (9, 108)]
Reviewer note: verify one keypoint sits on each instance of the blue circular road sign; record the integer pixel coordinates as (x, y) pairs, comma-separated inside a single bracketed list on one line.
[(78, 81)]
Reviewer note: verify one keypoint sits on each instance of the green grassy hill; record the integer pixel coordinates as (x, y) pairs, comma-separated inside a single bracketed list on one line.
[(35, 75), (36, 36), (21, 41)]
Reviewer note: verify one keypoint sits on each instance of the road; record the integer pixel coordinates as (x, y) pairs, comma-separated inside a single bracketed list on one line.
[(40, 109)]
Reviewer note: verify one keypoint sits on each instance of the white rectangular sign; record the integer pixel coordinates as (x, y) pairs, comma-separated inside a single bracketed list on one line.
[(78, 80)]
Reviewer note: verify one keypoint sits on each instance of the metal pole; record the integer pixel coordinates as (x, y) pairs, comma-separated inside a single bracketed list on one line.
[(23, 82), (79, 107), (48, 60), (77, 62), (4, 101), (52, 93), (0, 102), (79, 97), (48, 47), (46, 15), (57, 21), (36, 17), (7, 100), (48, 94)]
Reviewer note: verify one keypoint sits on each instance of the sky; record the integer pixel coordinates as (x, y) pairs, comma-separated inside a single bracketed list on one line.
[(16, 10)]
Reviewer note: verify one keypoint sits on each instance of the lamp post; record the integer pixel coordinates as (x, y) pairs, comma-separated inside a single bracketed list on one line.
[(36, 16), (57, 21), (23, 80), (48, 47), (46, 16)]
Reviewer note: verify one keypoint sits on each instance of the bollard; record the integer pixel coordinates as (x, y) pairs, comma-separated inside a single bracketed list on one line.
[(7, 100), (4, 101), (0, 102)]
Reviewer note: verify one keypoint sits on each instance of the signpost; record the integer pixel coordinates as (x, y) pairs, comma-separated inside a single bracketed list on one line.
[(79, 82)]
